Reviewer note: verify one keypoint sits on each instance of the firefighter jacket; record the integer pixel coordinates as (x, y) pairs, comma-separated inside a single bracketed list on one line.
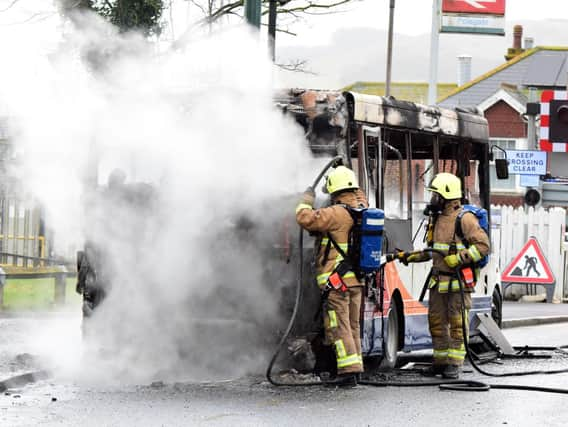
[(336, 221), (445, 239)]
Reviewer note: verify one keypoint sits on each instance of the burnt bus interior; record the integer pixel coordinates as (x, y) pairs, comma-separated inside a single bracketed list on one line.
[(409, 160)]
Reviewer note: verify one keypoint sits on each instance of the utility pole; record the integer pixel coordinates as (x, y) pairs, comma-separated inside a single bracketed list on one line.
[(434, 45), (252, 12), (272, 29), (272, 14), (389, 49)]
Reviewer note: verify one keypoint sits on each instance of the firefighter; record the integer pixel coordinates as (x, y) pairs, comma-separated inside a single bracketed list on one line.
[(93, 279), (445, 302), (341, 300)]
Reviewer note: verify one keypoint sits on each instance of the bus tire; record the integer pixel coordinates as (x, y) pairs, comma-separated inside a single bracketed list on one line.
[(497, 307), (391, 340)]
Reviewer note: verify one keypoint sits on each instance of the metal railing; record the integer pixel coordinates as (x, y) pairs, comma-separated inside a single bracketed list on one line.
[(22, 233)]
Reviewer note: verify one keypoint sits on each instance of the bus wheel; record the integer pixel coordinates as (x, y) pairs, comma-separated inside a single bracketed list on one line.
[(497, 307), (390, 343)]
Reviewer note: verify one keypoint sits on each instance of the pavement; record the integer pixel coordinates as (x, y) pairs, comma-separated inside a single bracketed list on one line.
[(517, 314)]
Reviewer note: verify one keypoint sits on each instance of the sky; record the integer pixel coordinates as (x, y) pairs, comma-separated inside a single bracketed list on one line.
[(412, 17), (350, 46)]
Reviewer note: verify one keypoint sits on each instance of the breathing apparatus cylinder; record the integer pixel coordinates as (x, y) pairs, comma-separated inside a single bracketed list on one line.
[(371, 240)]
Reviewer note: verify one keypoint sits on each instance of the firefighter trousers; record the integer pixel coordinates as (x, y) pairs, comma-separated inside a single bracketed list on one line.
[(342, 328), (445, 321)]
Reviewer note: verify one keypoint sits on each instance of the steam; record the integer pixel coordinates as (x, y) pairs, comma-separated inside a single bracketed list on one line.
[(191, 294)]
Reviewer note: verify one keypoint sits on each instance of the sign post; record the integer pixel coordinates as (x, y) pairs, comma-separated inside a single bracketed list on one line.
[(473, 17), (530, 267)]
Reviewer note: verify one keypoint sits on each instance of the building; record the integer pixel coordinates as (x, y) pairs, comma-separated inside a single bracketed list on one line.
[(503, 94)]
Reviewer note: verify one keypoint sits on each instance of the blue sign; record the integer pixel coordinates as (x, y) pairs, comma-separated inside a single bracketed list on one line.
[(526, 162), (529, 180)]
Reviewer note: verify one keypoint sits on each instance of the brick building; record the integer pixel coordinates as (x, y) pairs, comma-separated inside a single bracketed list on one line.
[(502, 95)]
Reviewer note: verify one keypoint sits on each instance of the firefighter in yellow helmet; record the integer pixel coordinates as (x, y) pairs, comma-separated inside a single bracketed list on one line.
[(341, 290), (445, 303)]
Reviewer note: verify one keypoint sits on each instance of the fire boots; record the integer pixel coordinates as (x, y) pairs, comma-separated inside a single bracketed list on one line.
[(451, 372), (344, 381)]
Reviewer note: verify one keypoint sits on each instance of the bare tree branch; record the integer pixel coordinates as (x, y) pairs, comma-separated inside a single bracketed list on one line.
[(282, 30), (196, 4), (9, 6), (41, 16), (297, 66), (303, 7), (229, 7), (313, 5)]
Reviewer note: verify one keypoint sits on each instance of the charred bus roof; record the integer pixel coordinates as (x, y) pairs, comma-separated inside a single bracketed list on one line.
[(392, 113), (328, 116)]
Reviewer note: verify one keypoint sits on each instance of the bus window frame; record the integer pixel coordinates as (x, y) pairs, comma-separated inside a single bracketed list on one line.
[(475, 151)]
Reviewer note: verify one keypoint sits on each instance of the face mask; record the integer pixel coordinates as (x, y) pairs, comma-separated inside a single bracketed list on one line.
[(436, 205)]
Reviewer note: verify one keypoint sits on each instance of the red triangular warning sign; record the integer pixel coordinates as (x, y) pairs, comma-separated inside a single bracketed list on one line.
[(529, 266)]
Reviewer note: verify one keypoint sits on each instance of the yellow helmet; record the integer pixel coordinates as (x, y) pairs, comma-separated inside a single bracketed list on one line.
[(341, 178), (446, 185)]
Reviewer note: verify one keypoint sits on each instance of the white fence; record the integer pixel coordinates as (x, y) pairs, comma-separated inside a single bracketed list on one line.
[(511, 228)]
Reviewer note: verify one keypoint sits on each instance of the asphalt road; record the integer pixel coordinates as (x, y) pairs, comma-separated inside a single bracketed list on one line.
[(75, 398)]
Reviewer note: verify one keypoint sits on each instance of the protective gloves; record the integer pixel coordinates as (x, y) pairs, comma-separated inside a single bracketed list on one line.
[(406, 257), (453, 260), (307, 200), (309, 196), (310, 192)]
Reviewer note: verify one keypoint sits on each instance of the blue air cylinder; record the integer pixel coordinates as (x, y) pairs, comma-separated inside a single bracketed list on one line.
[(372, 224)]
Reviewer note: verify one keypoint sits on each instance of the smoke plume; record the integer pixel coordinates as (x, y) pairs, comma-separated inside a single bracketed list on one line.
[(190, 265)]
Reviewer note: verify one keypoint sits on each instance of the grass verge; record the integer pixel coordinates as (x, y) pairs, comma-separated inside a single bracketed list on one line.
[(37, 294)]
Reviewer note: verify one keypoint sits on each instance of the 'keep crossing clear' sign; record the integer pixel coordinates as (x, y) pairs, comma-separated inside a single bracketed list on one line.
[(527, 162)]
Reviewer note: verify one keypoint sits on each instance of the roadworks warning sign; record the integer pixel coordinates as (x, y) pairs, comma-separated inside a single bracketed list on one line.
[(529, 266)]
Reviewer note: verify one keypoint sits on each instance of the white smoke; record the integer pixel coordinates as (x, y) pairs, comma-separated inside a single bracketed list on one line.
[(189, 296)]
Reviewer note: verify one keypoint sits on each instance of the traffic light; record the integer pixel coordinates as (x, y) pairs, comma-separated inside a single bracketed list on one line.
[(558, 121), (554, 121)]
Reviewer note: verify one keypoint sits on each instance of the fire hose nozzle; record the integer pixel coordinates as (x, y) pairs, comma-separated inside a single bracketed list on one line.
[(338, 161)]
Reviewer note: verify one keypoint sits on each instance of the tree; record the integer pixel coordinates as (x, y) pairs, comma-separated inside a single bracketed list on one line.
[(288, 11), (138, 15)]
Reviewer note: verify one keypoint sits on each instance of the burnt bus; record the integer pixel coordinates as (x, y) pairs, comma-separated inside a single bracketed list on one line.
[(395, 147)]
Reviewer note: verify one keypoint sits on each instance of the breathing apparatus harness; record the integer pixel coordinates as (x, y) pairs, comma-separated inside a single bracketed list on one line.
[(458, 385)]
